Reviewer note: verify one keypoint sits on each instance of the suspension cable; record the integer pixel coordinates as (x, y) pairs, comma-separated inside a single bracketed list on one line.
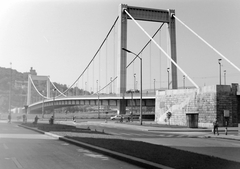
[(146, 45), (134, 58), (37, 89), (207, 43), (57, 89), (106, 85), (161, 49), (93, 56)]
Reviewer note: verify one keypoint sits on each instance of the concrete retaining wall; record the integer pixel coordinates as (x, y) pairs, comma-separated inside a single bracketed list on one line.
[(208, 102)]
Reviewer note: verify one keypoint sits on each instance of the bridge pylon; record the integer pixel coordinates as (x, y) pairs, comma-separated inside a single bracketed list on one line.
[(144, 14), (40, 78)]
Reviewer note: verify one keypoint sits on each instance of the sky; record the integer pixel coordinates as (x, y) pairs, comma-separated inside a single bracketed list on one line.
[(58, 38)]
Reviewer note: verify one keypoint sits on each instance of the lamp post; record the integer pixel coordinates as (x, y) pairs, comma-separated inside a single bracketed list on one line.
[(225, 76), (54, 90), (183, 81), (219, 62), (111, 86), (85, 88), (98, 101), (140, 81), (154, 85), (168, 77), (10, 91), (132, 106), (134, 83), (43, 105)]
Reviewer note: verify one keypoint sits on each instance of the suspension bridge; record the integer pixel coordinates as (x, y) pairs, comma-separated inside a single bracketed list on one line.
[(119, 77)]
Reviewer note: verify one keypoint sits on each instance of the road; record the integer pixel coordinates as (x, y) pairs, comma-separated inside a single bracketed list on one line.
[(26, 149), (190, 141)]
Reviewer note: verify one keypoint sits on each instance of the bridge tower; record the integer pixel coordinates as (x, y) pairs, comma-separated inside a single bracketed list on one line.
[(40, 78), (144, 14)]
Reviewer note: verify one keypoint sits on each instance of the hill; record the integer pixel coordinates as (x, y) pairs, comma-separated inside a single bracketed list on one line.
[(14, 82)]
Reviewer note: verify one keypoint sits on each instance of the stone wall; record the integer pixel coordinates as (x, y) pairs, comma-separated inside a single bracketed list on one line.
[(227, 100), (208, 102)]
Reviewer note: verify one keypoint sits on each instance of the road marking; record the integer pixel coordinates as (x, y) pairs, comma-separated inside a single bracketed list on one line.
[(16, 162), (96, 156), (26, 136), (126, 134), (90, 154), (81, 150)]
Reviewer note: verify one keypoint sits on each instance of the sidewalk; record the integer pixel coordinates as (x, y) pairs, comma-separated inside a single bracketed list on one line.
[(152, 126)]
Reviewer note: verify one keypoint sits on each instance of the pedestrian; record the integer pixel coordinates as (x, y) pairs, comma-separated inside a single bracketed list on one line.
[(51, 120), (9, 118), (36, 120), (24, 118), (74, 119), (215, 127)]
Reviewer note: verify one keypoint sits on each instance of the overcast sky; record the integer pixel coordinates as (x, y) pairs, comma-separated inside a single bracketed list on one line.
[(58, 38)]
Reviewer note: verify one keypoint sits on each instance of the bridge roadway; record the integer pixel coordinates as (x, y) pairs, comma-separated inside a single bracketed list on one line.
[(148, 100)]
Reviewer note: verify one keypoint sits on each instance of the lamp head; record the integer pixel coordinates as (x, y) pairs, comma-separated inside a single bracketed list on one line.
[(219, 60), (126, 50)]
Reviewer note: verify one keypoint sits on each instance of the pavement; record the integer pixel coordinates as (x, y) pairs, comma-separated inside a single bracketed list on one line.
[(146, 126)]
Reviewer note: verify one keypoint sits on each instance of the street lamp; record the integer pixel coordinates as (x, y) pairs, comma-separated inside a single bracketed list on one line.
[(183, 81), (154, 85), (10, 91), (132, 106), (140, 81), (111, 86), (219, 62), (54, 90), (43, 105), (225, 76), (168, 76), (85, 88), (98, 100), (134, 83)]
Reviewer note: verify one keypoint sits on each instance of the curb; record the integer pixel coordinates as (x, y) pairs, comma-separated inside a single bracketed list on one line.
[(120, 156), (220, 137)]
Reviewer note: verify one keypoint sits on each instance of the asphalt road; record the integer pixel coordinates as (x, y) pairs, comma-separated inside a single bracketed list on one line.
[(190, 141), (26, 149)]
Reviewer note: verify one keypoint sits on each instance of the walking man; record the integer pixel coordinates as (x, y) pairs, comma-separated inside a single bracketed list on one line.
[(215, 127)]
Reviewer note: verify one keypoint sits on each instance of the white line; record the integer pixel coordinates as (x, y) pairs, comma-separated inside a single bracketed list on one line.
[(16, 162), (126, 134)]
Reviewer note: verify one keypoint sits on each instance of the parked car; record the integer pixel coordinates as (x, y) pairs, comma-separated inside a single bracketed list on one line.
[(116, 117)]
